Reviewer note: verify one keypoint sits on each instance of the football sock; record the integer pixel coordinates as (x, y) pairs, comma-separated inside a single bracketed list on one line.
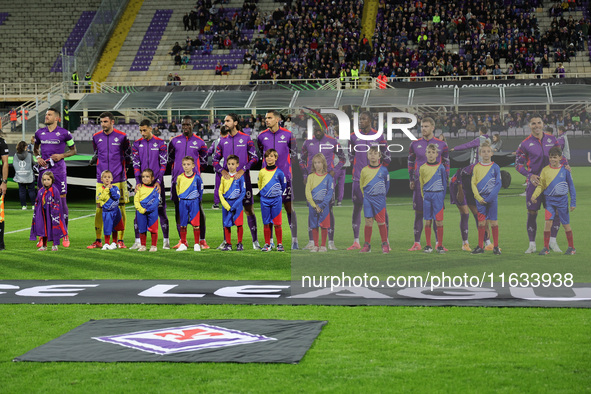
[(315, 236), (123, 219), (368, 231), (495, 234), (356, 219), (440, 236), (383, 232), (464, 219), (569, 238), (481, 231), (418, 226), (184, 235), (65, 210), (532, 227), (201, 223), (555, 226), (98, 223), (228, 235), (267, 232), (324, 234), (163, 220), (252, 224), (331, 233), (547, 239), (293, 224)]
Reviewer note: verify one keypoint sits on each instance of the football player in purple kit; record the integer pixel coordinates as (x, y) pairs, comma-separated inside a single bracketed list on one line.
[(239, 144), (112, 150), (329, 147), (50, 144), (417, 156), (530, 158), (284, 142), (151, 152), (183, 145), (358, 149)]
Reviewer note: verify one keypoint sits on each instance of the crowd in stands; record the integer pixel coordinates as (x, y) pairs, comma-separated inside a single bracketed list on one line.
[(410, 39), (321, 40), (308, 40), (457, 124), (217, 27)]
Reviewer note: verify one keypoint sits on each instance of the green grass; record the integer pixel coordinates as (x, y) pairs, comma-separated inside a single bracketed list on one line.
[(377, 349)]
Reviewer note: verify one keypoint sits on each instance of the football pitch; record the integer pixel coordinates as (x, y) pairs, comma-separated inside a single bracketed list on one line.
[(376, 349)]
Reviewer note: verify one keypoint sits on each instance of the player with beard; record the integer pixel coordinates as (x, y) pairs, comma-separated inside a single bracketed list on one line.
[(284, 142), (112, 151), (50, 144), (239, 144), (151, 152)]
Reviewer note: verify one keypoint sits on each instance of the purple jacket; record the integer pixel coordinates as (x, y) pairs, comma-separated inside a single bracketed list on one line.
[(474, 145), (48, 217), (417, 155), (328, 146), (532, 154), (283, 142), (181, 146), (151, 154), (240, 145), (112, 152), (358, 152)]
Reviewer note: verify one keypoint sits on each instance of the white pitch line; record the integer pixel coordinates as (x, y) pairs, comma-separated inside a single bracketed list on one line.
[(29, 229)]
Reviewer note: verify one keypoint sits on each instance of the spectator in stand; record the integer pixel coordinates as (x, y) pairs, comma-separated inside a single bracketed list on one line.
[(169, 80), (225, 69), (173, 128), (175, 49), (178, 60), (497, 143), (177, 80), (218, 69), (187, 21), (560, 72), (382, 81), (247, 57)]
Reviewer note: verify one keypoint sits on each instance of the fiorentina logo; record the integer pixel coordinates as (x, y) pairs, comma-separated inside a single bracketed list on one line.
[(282, 137), (194, 142), (240, 140), (155, 145), (183, 339), (58, 133), (116, 139)]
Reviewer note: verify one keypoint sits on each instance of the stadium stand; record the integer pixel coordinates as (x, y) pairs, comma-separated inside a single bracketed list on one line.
[(32, 37), (152, 38), (74, 39)]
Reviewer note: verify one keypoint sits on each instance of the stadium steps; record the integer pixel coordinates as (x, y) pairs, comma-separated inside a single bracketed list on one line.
[(31, 42), (162, 64), (115, 43), (369, 18)]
